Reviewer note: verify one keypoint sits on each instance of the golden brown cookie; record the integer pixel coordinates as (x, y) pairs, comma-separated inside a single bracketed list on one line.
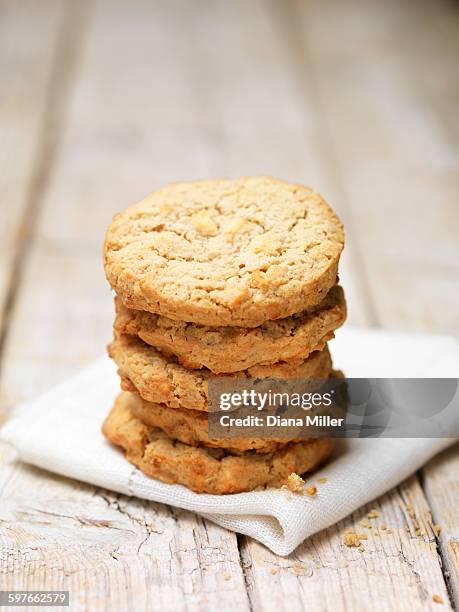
[(191, 427), (160, 379), (230, 349), (225, 252), (207, 470)]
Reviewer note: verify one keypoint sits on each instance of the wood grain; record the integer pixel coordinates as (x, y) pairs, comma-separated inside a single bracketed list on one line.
[(27, 71), (112, 552)]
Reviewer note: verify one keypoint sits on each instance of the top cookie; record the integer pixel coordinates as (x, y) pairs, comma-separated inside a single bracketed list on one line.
[(225, 252)]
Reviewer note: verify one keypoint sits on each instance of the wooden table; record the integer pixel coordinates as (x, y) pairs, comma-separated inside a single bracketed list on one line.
[(102, 101)]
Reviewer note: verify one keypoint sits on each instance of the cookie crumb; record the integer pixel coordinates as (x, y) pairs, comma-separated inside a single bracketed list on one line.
[(322, 480), (311, 491), (383, 526), (365, 524), (351, 539), (274, 570), (361, 548), (437, 599), (373, 514), (295, 483), (227, 576), (437, 529), (300, 569)]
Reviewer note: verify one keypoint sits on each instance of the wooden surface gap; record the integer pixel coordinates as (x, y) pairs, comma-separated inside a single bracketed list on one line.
[(436, 479), (245, 562), (442, 558)]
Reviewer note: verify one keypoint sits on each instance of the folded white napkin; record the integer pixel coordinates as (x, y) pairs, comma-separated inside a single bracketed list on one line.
[(60, 432)]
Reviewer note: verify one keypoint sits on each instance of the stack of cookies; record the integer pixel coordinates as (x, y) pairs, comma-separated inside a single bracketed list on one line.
[(219, 278)]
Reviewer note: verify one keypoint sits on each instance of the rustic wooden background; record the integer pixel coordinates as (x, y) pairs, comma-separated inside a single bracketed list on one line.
[(102, 101)]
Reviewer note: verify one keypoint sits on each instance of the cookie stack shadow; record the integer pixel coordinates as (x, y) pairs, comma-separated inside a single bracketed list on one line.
[(169, 342)]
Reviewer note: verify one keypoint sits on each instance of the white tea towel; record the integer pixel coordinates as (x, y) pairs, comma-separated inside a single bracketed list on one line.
[(60, 432)]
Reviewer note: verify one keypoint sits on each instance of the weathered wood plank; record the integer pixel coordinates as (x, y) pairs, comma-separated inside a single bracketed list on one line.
[(27, 70), (111, 552), (61, 322), (442, 490)]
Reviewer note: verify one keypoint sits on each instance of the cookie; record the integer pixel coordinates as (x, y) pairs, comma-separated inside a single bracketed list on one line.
[(207, 470), (230, 349), (191, 427), (162, 380), (225, 252)]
